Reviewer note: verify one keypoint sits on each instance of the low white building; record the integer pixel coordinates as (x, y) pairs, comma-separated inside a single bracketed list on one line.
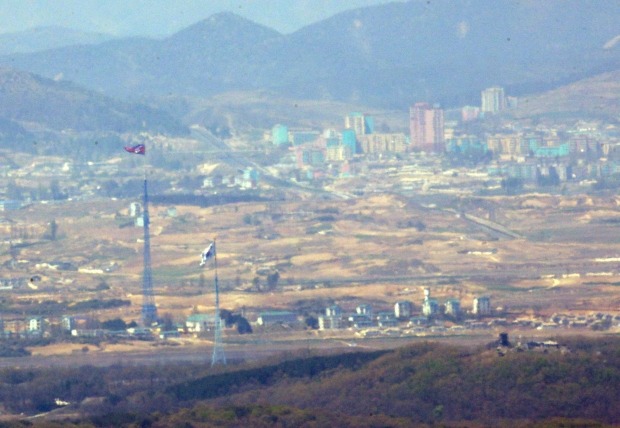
[(35, 325), (197, 323), (329, 322), (276, 317)]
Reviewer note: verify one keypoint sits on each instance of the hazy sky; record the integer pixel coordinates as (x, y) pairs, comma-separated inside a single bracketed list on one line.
[(163, 17)]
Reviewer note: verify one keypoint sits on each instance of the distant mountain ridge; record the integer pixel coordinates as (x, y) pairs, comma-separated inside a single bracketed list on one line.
[(45, 38), (386, 56)]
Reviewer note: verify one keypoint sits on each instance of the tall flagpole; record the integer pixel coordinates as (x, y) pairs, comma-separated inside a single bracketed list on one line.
[(149, 310), (218, 350)]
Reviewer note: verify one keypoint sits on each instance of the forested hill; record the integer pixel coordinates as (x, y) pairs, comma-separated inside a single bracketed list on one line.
[(418, 385), (430, 383)]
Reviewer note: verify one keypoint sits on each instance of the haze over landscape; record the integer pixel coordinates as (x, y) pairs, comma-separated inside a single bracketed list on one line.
[(161, 18), (415, 205)]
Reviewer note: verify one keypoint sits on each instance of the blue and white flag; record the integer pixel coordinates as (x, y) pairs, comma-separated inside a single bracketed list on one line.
[(207, 253)]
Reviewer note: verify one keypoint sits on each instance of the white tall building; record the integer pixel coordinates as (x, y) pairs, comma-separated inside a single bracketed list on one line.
[(35, 325), (333, 311), (481, 306), (430, 306), (364, 309), (403, 309), (453, 307), (493, 100)]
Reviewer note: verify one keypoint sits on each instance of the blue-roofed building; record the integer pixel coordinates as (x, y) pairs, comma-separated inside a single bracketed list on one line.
[(332, 142), (466, 146), (313, 157), (299, 138), (10, 205), (552, 152), (279, 135), (349, 140)]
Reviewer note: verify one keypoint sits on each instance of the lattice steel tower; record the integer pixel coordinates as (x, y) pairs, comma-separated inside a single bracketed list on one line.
[(218, 356), (149, 310)]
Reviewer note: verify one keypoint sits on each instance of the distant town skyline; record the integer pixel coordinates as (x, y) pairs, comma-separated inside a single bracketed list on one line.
[(157, 18)]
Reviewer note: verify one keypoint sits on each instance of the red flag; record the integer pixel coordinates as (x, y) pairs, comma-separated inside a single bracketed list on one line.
[(139, 149)]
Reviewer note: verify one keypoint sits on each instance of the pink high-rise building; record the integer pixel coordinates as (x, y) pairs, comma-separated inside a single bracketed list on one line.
[(426, 125)]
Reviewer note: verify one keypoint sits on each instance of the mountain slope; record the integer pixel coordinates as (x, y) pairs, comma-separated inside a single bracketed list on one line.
[(387, 56), (595, 97), (443, 50), (38, 104)]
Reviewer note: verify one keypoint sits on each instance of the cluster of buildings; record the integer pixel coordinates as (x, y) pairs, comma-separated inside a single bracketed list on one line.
[(85, 326), (403, 312), (246, 178), (452, 307), (431, 317), (594, 321), (331, 151), (540, 155)]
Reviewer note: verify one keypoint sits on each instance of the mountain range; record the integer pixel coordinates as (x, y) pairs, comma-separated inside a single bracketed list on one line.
[(381, 57), (44, 38), (388, 55)]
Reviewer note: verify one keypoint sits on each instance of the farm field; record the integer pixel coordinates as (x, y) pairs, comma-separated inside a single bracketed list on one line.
[(376, 249)]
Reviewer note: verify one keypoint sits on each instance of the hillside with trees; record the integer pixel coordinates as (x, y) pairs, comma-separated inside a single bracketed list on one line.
[(418, 385)]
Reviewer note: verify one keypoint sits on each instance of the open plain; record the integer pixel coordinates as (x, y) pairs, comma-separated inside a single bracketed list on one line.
[(533, 255)]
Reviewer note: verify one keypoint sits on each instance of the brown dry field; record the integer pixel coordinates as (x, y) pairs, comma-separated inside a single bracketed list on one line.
[(343, 252)]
